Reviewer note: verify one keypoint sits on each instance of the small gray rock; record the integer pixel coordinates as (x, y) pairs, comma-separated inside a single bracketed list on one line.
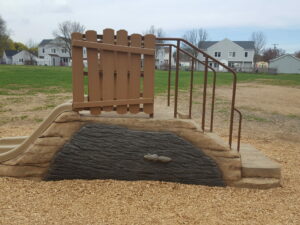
[(151, 157), (164, 159)]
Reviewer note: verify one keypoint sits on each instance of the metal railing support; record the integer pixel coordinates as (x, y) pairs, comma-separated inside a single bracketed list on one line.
[(178, 40), (176, 79), (232, 109), (169, 75), (191, 89), (213, 101), (204, 94), (239, 129)]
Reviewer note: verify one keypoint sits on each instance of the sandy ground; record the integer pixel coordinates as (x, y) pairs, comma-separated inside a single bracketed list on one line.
[(271, 123)]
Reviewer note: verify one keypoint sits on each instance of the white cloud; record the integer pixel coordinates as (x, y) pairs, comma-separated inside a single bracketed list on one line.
[(37, 19)]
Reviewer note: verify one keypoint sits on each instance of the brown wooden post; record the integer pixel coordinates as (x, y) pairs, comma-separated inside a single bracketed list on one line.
[(149, 69), (108, 69), (122, 71), (77, 70), (135, 73), (93, 73)]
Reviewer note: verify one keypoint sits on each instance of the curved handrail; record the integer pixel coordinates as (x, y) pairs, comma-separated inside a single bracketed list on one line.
[(204, 93), (214, 80), (197, 49), (239, 129)]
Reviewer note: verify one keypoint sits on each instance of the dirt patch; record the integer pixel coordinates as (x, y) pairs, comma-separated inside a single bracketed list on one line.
[(267, 124), (266, 98)]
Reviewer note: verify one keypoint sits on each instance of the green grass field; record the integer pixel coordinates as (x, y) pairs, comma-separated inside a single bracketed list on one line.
[(35, 79)]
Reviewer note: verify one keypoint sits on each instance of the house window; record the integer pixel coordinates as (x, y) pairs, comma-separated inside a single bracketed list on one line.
[(43, 50), (231, 54), (63, 50), (246, 54), (217, 54), (215, 65), (53, 50), (210, 64)]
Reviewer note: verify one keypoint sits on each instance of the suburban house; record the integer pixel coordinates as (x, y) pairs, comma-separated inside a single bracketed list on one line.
[(286, 64), (15, 57), (238, 55), (162, 58), (52, 52)]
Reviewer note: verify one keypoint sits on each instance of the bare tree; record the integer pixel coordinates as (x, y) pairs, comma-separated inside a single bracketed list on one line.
[(259, 40), (272, 53), (297, 54), (196, 37), (32, 51), (65, 30), (158, 32)]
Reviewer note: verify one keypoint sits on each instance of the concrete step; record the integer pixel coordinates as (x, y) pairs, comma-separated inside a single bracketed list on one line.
[(12, 140), (5, 148), (258, 183), (256, 164)]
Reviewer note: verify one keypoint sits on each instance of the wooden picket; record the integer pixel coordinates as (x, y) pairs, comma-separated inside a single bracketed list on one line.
[(92, 57), (108, 69), (114, 72), (149, 61), (135, 73), (77, 71), (122, 71)]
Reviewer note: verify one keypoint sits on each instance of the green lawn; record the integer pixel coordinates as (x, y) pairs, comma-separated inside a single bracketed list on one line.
[(34, 79)]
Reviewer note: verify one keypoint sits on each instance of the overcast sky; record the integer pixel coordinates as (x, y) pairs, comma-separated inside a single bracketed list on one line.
[(233, 19)]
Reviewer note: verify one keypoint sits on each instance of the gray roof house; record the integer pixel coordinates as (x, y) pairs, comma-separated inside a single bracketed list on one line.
[(18, 57), (286, 64), (235, 54), (52, 52)]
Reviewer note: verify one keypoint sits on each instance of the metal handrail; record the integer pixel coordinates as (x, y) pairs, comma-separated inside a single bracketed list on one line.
[(239, 129), (178, 40), (214, 81)]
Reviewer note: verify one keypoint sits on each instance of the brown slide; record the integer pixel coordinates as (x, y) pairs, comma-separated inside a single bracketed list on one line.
[(11, 147)]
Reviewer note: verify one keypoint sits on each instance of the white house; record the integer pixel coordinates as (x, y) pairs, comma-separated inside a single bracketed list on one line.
[(162, 58), (286, 64), (235, 54), (18, 57), (52, 52)]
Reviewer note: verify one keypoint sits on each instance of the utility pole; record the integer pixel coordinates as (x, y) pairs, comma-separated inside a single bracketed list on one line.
[(275, 45)]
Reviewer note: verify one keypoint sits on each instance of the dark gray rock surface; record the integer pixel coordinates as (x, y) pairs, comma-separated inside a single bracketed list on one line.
[(99, 151)]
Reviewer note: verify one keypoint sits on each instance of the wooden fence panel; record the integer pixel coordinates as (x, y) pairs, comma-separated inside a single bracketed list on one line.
[(77, 71), (114, 72), (122, 71), (93, 72), (135, 73), (149, 69), (108, 60)]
